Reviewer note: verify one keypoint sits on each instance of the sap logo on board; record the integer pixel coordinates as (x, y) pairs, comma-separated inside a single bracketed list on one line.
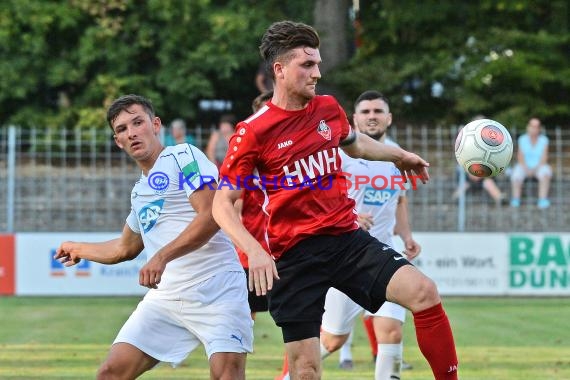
[(57, 269), (539, 262)]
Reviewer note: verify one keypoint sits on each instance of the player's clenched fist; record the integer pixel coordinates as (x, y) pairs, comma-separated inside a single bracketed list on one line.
[(67, 254), (151, 273)]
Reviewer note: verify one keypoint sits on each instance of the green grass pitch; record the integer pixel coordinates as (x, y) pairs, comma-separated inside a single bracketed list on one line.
[(497, 338)]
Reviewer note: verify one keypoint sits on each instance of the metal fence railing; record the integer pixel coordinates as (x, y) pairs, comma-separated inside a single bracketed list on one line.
[(67, 180)]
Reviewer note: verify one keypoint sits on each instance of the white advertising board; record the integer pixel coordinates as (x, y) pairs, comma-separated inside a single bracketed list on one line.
[(533, 264), (472, 264), (37, 273)]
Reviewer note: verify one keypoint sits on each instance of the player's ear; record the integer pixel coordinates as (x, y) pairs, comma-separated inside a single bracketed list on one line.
[(278, 68), (156, 125), (389, 118)]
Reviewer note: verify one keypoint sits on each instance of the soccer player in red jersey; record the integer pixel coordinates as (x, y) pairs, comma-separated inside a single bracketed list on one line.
[(292, 146)]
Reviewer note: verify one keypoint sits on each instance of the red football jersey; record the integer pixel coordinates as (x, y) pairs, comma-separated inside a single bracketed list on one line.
[(254, 220), (295, 157)]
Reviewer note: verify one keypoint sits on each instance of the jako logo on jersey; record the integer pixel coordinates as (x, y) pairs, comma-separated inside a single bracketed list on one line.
[(284, 144), (377, 197), (150, 213), (324, 130), (318, 164)]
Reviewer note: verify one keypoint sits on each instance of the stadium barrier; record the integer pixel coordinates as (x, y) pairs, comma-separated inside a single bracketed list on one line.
[(78, 180), (461, 264)]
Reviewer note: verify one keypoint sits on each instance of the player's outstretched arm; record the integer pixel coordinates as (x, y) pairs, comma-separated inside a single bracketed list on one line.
[(410, 164), (194, 236), (128, 246), (262, 268)]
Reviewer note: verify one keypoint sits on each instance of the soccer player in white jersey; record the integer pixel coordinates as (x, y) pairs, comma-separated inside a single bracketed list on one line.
[(377, 188), (198, 291)]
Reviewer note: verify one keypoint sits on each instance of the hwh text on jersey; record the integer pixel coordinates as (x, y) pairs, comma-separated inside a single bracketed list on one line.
[(318, 164)]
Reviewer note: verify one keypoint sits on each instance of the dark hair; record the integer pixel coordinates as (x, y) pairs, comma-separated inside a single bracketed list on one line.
[(261, 99), (282, 37), (124, 102), (371, 95)]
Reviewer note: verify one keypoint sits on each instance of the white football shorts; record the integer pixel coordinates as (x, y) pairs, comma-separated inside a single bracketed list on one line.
[(341, 311), (389, 310), (214, 312)]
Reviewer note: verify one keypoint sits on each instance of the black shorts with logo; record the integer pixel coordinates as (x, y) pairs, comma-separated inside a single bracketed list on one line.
[(355, 263)]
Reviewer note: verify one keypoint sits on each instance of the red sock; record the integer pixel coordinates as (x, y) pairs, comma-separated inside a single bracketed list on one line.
[(369, 327), (435, 340)]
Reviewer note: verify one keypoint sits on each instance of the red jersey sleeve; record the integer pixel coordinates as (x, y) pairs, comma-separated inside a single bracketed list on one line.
[(242, 156)]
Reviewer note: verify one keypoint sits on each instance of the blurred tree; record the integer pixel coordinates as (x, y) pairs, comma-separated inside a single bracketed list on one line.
[(331, 18), (445, 61), (63, 61)]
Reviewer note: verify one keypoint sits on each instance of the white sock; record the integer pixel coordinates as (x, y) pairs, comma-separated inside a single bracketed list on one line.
[(388, 361), (324, 352), (346, 350)]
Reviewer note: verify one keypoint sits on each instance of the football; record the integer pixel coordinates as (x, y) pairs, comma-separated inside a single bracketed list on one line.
[(484, 148)]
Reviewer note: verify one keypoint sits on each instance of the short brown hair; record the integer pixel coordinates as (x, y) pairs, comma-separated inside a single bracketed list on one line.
[(282, 37), (124, 102)]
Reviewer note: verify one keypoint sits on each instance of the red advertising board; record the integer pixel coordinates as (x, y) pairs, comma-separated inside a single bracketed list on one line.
[(7, 267)]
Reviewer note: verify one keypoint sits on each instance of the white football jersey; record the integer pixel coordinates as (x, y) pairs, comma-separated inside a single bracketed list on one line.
[(378, 197), (160, 211)]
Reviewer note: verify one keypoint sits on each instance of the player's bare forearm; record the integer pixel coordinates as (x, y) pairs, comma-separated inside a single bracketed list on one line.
[(114, 251), (402, 227), (370, 149), (411, 165), (228, 218), (404, 230), (262, 268)]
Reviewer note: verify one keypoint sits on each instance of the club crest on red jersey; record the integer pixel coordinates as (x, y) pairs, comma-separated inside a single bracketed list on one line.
[(324, 130)]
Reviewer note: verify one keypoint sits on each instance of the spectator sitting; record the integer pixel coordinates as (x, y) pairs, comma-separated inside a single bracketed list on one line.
[(532, 161), (178, 134), (488, 184)]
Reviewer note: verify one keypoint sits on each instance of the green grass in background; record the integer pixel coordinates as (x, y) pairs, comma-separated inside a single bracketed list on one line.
[(497, 338)]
